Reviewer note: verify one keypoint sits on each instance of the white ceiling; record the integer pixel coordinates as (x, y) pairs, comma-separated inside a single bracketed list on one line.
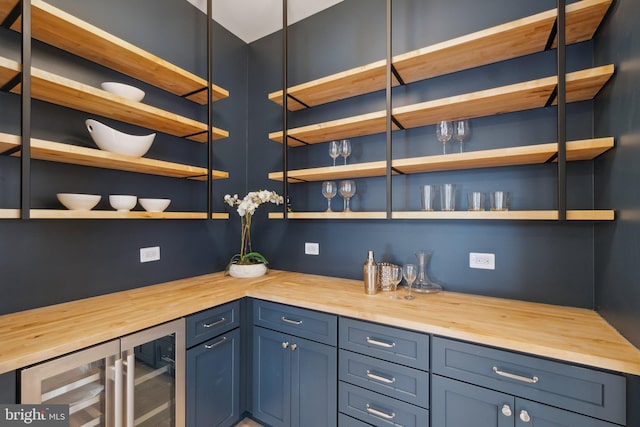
[(251, 20)]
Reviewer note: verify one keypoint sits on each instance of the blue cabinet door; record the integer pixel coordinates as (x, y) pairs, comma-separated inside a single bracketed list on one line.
[(213, 382), (458, 404), (314, 384), (532, 414), (271, 377)]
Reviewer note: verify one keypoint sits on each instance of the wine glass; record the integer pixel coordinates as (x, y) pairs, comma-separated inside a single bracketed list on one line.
[(347, 191), (396, 278), (334, 151), (444, 132), (462, 132), (329, 190), (409, 271), (345, 149)]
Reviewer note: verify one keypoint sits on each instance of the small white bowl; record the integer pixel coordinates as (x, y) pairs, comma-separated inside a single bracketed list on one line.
[(126, 91), (154, 205), (109, 139), (122, 202), (78, 202)]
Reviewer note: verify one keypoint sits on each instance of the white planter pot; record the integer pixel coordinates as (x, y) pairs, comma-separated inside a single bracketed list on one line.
[(246, 271)]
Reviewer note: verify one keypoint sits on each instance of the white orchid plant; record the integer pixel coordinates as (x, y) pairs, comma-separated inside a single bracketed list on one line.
[(246, 207)]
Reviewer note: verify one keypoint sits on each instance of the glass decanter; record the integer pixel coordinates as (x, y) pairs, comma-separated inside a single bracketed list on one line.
[(423, 283)]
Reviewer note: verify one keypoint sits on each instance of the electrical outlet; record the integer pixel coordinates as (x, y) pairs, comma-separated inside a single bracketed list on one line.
[(482, 261), (150, 254), (312, 248)]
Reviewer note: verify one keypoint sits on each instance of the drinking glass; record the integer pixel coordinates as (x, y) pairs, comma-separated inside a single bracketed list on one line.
[(409, 271), (347, 191), (345, 149), (475, 201), (396, 278), (428, 196), (334, 151), (448, 197), (444, 132), (462, 132), (329, 190), (499, 200)]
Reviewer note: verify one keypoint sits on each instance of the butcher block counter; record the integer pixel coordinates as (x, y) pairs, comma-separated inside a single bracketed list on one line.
[(574, 335)]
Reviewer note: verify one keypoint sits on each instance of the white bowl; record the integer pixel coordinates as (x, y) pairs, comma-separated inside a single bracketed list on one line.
[(126, 91), (109, 139), (154, 205), (122, 202), (79, 202)]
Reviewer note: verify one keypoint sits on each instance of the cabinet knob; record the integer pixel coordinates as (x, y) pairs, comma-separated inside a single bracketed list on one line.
[(524, 416), (506, 410), (285, 344), (294, 347)]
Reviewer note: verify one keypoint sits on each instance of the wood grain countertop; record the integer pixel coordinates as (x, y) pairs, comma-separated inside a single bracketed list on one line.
[(571, 334)]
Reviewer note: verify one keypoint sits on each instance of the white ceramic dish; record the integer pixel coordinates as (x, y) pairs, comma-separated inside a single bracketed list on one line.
[(79, 202), (109, 139), (121, 89), (154, 205), (122, 202)]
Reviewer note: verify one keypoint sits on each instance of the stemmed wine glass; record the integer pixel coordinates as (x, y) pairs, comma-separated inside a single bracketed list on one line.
[(334, 151), (347, 191), (409, 271), (462, 132), (396, 278), (329, 190), (444, 132), (345, 149)]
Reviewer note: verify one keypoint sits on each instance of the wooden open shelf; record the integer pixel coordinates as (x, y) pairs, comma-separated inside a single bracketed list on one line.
[(581, 85), (72, 154), (59, 90), (64, 31), (513, 39), (9, 213), (67, 214), (546, 215), (587, 149)]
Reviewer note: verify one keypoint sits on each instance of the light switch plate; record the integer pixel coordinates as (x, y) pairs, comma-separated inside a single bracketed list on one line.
[(150, 254), (482, 261), (311, 248)]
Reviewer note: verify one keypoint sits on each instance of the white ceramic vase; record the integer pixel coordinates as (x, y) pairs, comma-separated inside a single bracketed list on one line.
[(244, 271)]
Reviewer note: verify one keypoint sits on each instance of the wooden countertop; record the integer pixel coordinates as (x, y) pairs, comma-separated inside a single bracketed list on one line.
[(574, 335)]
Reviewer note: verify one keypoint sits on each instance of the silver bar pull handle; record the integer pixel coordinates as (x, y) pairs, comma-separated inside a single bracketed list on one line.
[(380, 343), (131, 388), (527, 380), (216, 323), (118, 393), (380, 413), (293, 322), (380, 378), (215, 344)]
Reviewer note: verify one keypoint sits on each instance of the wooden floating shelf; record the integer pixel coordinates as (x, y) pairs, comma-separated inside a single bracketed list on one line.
[(537, 215), (62, 30), (581, 85), (513, 39), (531, 154), (9, 213), (59, 90), (72, 154), (68, 214)]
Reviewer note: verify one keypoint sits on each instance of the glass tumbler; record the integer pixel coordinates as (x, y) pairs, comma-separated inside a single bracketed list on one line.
[(448, 197), (428, 196), (499, 200), (475, 201)]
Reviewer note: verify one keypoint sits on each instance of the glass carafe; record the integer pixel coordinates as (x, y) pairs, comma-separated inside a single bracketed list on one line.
[(423, 283)]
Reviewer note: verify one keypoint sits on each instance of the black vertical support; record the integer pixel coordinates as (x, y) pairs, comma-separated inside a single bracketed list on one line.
[(562, 113), (25, 114), (209, 109), (388, 106), (285, 109)]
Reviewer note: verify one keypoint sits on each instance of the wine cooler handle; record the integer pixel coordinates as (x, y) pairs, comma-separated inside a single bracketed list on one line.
[(131, 385), (117, 384)]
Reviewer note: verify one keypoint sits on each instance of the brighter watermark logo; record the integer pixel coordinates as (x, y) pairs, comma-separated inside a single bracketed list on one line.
[(34, 415)]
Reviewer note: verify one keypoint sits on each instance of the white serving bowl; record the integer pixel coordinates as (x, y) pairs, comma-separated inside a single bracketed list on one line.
[(154, 205), (126, 91), (78, 202), (122, 202), (109, 139)]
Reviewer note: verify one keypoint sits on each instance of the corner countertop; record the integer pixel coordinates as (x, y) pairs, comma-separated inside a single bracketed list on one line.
[(565, 333)]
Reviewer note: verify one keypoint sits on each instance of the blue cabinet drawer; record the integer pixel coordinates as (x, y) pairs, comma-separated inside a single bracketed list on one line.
[(586, 391), (313, 325), (346, 421), (397, 381), (210, 323), (384, 342), (379, 410)]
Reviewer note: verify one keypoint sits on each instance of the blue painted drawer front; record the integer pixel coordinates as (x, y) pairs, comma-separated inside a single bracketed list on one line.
[(379, 410), (397, 381), (210, 323), (385, 342), (313, 325), (546, 416), (586, 391), (346, 421)]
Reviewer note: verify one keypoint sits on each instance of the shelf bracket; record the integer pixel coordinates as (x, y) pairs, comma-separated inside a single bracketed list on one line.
[(552, 35), (397, 123), (11, 151), (552, 158), (298, 139), (304, 104), (193, 92), (15, 81), (194, 134), (552, 97), (397, 75), (13, 16), (399, 172)]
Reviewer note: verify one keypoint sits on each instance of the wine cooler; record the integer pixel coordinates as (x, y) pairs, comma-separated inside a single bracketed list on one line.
[(137, 380)]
